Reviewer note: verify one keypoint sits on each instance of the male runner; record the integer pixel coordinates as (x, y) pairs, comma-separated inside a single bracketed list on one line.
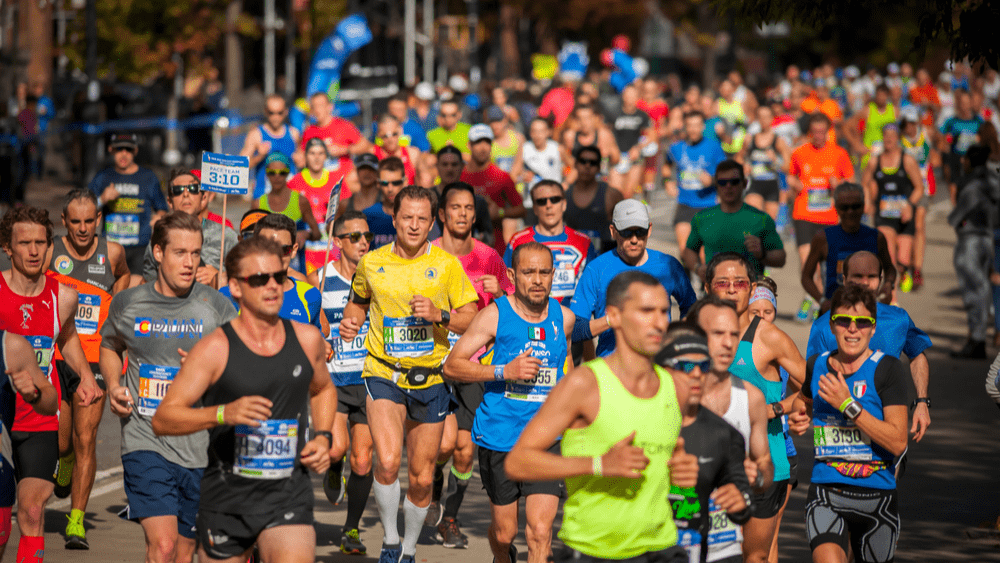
[(492, 183), (692, 161), (97, 270), (450, 167), (590, 202), (894, 334), (486, 270), (620, 421), (763, 348), (258, 380), (273, 135), (379, 214), (630, 228), (157, 324), (529, 333), (42, 310), (350, 425), (19, 376), (410, 288)]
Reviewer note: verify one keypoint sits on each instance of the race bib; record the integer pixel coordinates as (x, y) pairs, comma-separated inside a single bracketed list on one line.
[(563, 280), (891, 207), (724, 531), (43, 352), (122, 228), (267, 452), (534, 390), (819, 200), (691, 180), (842, 442), (690, 540), (349, 356), (153, 384), (762, 171), (407, 337), (88, 313)]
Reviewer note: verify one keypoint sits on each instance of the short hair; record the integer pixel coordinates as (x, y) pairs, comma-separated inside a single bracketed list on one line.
[(449, 149), (533, 245), (882, 88), (768, 283), (588, 148), (24, 214), (324, 94), (727, 165), (618, 288), (80, 193), (728, 257), (584, 106), (848, 188), (387, 117), (415, 193), (819, 118), (546, 184), (400, 97), (859, 253), (710, 299), (275, 222), (348, 215), (547, 121), (249, 247), (391, 164), (456, 187), (694, 113), (850, 295), (453, 102), (682, 328), (174, 221)]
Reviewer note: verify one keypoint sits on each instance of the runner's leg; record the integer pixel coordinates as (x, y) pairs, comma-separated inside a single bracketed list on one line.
[(773, 555), (757, 536), (422, 443), (359, 485), (85, 423), (540, 512), (288, 544), (387, 421), (162, 540), (502, 531), (461, 472)]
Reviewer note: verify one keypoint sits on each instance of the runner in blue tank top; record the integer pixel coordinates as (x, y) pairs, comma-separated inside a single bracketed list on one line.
[(763, 349), (529, 333), (274, 135)]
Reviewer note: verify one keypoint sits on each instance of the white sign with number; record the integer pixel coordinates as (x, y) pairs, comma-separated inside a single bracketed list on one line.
[(225, 173)]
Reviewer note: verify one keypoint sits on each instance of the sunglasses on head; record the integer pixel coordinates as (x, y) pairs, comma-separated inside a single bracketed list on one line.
[(640, 233), (246, 234), (739, 285), (851, 207), (260, 280), (390, 183), (356, 236), (687, 366), (282, 172), (725, 182), (192, 189), (543, 201), (589, 161), (844, 321)]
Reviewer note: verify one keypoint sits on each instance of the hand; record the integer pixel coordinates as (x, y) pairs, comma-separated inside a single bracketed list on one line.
[(109, 193), (750, 466), (625, 460), (683, 467), (22, 382), (182, 354), (633, 154), (316, 454), (88, 391), (349, 328), (250, 411), (206, 275), (490, 285), (424, 308), (120, 401), (753, 245), (329, 350), (264, 148), (729, 498), (906, 213), (921, 420), (523, 367), (833, 389), (798, 421), (335, 150), (705, 178)]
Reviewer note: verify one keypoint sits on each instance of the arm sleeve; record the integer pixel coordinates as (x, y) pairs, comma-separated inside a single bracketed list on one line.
[(916, 340), (993, 380), (793, 167), (585, 297), (110, 337), (461, 292), (734, 472), (581, 330), (890, 381)]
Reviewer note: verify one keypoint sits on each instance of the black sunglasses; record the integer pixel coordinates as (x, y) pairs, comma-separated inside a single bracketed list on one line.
[(627, 234), (260, 280), (192, 189), (722, 183), (589, 161), (356, 236), (851, 207), (543, 201), (393, 183)]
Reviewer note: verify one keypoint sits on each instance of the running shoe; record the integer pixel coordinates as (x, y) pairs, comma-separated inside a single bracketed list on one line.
[(804, 311), (390, 554), (64, 475), (450, 535), (76, 536), (335, 487), (918, 279), (434, 513), (407, 559), (906, 282), (350, 543)]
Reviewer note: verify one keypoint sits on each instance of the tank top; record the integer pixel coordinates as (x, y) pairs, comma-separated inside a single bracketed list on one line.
[(840, 244), (738, 413), (8, 396), (591, 220), (504, 150), (293, 211), (874, 122), (545, 164), (283, 144), (508, 406), (37, 319), (762, 165), (894, 189), (93, 279), (349, 357), (408, 168), (596, 507), (744, 368), (254, 470)]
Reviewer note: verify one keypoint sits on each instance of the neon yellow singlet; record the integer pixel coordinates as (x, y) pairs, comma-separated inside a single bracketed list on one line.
[(617, 518)]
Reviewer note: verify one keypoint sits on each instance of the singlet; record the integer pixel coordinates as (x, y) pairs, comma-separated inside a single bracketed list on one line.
[(763, 167), (293, 210), (571, 251), (37, 319), (744, 368), (283, 144), (349, 357), (302, 302), (93, 279), (732, 111), (738, 413), (254, 470), (920, 150), (595, 506), (408, 168), (508, 406), (592, 219), (874, 123), (894, 189), (504, 150), (545, 164), (8, 396), (317, 192), (840, 244)]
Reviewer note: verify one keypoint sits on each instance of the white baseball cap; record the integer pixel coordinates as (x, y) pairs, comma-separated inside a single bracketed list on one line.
[(630, 214), (480, 132), (424, 91)]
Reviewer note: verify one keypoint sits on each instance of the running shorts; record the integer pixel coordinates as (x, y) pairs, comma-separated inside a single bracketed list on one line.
[(865, 519)]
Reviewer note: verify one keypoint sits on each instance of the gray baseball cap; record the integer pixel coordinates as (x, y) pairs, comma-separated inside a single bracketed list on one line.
[(630, 214)]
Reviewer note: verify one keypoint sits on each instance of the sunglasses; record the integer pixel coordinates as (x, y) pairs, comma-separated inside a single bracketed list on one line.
[(389, 135), (728, 182), (260, 280), (269, 112), (126, 149), (192, 189), (844, 321), (851, 207), (286, 249), (543, 201), (627, 234), (356, 236), (739, 285), (589, 161), (282, 172), (392, 183), (687, 366), (449, 115)]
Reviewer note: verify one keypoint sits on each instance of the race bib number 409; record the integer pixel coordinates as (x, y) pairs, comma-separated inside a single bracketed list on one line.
[(88, 313)]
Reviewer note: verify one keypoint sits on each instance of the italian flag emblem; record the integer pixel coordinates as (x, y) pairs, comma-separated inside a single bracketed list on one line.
[(536, 333)]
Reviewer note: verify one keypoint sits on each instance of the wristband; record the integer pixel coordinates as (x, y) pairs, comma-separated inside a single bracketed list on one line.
[(501, 212), (845, 404), (607, 320), (597, 469), (498, 372), (220, 415)]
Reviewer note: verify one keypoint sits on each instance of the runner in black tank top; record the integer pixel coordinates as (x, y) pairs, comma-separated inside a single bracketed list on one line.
[(591, 220)]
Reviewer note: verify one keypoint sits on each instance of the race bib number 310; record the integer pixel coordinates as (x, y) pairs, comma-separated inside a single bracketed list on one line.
[(267, 452)]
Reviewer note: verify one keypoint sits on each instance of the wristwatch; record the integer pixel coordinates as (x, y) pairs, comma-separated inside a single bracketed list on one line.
[(853, 411), (445, 318), (925, 400), (325, 434), (778, 409)]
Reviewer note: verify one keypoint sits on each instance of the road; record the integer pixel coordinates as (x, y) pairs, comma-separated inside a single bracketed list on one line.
[(951, 482)]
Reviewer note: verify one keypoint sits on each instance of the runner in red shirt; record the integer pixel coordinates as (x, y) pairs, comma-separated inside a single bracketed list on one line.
[(492, 183), (341, 137), (315, 184), (389, 134)]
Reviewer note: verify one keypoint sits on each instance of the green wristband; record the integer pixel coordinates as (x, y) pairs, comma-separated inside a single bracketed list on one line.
[(847, 402), (220, 415)]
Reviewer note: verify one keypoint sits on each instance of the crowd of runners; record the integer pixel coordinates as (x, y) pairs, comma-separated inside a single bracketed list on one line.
[(491, 297)]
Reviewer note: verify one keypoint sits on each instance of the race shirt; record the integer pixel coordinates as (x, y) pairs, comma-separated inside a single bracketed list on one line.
[(92, 279), (571, 251), (719, 232), (409, 167), (150, 327), (340, 132), (348, 357), (457, 137), (302, 303), (317, 190), (814, 168), (388, 282), (497, 185), (920, 150), (381, 225), (840, 244), (689, 161), (37, 319), (894, 190), (126, 218), (960, 134)]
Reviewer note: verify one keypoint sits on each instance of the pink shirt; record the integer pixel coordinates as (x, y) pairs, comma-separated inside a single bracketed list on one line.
[(483, 260)]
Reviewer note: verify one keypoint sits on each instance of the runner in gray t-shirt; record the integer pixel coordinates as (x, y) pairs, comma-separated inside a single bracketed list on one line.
[(152, 323)]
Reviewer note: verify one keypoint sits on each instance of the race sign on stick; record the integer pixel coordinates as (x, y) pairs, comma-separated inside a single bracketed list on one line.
[(331, 206), (225, 173)]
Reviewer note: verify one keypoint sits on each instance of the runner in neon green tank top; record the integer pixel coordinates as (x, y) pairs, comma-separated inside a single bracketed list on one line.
[(620, 423)]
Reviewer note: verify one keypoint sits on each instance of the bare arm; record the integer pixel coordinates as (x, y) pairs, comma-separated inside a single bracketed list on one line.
[(920, 372), (888, 268), (111, 368), (322, 400), (692, 262), (26, 377), (307, 216), (774, 258), (354, 317), (252, 147), (176, 415), (69, 344), (119, 267), (787, 355), (913, 173), (760, 450), (869, 185), (785, 152), (817, 253)]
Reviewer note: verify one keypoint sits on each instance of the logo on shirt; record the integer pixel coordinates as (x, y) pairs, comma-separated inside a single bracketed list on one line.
[(297, 371), (64, 264), (380, 270), (26, 311), (536, 333), (95, 269), (431, 273), (146, 327), (859, 388), (101, 259)]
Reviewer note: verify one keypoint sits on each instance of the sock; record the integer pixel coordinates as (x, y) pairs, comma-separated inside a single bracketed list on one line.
[(76, 514), (413, 517), (31, 549), (358, 489), (457, 483), (438, 481), (387, 500)]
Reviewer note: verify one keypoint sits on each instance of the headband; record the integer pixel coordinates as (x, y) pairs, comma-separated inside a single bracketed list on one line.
[(682, 346), (251, 218), (278, 157), (763, 293)]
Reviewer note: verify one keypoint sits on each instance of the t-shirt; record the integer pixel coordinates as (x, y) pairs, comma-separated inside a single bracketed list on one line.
[(457, 137), (211, 232), (895, 333), (302, 303), (380, 224), (689, 162), (814, 167), (591, 293), (960, 134), (126, 218), (494, 183), (339, 132), (719, 232), (571, 252), (483, 260), (151, 327), (558, 103), (627, 127)]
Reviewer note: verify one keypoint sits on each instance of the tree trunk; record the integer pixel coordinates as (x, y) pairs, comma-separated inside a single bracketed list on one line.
[(510, 56)]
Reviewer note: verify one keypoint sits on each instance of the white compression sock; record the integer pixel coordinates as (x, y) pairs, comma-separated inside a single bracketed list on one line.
[(387, 499), (413, 518)]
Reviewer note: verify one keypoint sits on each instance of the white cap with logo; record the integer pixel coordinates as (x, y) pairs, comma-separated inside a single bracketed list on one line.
[(480, 132), (630, 214)]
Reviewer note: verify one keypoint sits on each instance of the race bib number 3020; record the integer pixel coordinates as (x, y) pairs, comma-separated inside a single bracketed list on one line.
[(407, 337)]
